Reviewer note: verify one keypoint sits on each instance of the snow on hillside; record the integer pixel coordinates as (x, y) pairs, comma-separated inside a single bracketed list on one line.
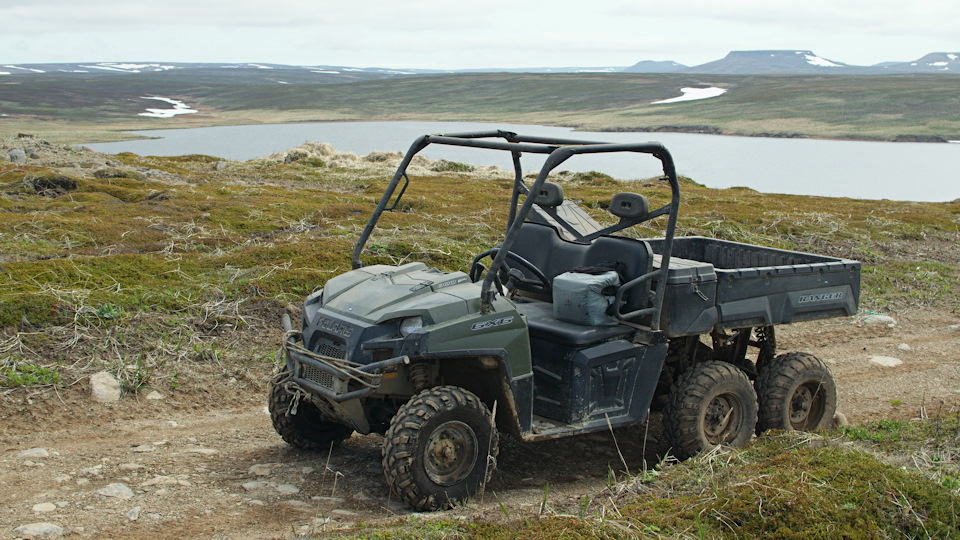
[(691, 94)]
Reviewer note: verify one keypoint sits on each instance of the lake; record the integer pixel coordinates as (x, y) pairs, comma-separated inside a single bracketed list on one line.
[(864, 170)]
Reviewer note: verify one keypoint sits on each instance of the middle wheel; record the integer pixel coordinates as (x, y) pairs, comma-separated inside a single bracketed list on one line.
[(710, 405), (440, 449)]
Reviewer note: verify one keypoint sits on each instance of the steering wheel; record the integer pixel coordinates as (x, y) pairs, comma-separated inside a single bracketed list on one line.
[(512, 277)]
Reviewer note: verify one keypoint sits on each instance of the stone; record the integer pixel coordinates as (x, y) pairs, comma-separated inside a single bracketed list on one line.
[(203, 451), (145, 448), (154, 396), (44, 507), (39, 530), (875, 319), (885, 361), (104, 387), (130, 466), (343, 513), (17, 155), (134, 513), (160, 481), (220, 165), (259, 470), (287, 489), (903, 347), (954, 327), (34, 453), (256, 484), (92, 471), (116, 490), (300, 506)]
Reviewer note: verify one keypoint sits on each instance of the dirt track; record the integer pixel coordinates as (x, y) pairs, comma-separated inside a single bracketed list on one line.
[(198, 466)]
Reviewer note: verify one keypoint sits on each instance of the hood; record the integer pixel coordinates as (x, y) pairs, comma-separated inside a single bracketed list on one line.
[(378, 293)]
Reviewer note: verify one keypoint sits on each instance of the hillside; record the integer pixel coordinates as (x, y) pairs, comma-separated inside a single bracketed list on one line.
[(171, 274), (96, 109)]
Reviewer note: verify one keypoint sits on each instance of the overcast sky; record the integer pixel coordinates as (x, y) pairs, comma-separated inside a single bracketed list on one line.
[(470, 34)]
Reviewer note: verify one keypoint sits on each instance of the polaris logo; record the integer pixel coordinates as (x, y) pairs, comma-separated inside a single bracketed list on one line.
[(492, 323), (808, 298), (335, 327)]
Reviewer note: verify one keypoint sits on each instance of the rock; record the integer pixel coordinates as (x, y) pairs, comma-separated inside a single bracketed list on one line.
[(259, 470), (160, 481), (44, 507), (256, 502), (903, 347), (34, 453), (154, 396), (343, 513), (885, 361), (116, 490), (34, 155), (256, 484), (130, 466), (287, 489), (134, 513), (203, 451), (220, 165), (299, 506), (875, 319), (17, 155), (840, 420), (39, 530), (92, 471), (104, 387), (145, 448), (954, 327)]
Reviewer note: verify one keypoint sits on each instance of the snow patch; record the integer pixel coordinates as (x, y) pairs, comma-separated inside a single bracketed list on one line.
[(24, 69), (260, 66), (952, 56), (282, 82), (938, 63), (130, 68), (817, 61), (324, 71), (691, 94), (179, 107), (5, 73)]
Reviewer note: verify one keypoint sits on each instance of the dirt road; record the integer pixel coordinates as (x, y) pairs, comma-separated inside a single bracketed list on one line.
[(192, 465)]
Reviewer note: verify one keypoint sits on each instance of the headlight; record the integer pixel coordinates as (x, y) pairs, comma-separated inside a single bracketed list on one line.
[(410, 325)]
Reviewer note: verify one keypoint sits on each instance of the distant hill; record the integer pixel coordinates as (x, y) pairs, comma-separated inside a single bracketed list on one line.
[(653, 66), (768, 62), (763, 62), (939, 62)]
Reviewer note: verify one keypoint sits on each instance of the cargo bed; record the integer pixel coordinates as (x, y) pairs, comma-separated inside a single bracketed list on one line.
[(717, 283)]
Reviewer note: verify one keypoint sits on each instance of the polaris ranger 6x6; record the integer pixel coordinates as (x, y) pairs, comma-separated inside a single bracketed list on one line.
[(563, 328)]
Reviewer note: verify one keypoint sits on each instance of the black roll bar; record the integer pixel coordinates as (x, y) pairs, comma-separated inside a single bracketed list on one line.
[(558, 150)]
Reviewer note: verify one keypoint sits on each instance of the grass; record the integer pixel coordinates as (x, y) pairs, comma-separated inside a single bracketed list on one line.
[(783, 485)]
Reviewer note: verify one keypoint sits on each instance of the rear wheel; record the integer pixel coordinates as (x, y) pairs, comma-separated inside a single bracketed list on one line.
[(796, 392), (440, 449), (304, 426), (710, 405)]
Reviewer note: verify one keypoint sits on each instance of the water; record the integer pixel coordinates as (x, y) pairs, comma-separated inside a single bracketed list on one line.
[(864, 170)]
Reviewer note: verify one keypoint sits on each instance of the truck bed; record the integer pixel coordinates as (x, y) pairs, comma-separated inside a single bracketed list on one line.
[(732, 285)]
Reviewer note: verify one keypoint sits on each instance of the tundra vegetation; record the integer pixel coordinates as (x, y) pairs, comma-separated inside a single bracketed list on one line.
[(147, 267)]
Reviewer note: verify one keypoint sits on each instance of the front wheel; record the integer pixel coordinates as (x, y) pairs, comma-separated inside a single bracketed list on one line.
[(796, 392), (710, 405), (303, 426), (441, 448)]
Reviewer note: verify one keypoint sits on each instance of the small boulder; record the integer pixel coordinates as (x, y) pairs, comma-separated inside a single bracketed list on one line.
[(17, 155), (104, 387), (44, 507), (39, 530), (885, 361), (116, 490), (877, 320), (34, 453), (904, 347), (154, 396)]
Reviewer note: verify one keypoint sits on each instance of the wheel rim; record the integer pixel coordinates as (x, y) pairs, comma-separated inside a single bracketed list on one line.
[(451, 453), (722, 420), (807, 406)]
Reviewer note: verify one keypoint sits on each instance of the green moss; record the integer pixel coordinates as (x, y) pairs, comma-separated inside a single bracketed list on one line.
[(18, 375)]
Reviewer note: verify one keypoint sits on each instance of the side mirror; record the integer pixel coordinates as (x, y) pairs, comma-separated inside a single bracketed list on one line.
[(629, 206)]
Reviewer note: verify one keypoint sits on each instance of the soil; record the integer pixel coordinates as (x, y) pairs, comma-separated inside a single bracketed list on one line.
[(204, 461)]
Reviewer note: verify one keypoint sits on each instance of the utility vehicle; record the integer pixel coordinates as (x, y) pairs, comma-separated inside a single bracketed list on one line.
[(570, 329)]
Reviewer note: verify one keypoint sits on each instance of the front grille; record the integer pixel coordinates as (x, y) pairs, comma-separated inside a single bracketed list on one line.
[(317, 376), (332, 351)]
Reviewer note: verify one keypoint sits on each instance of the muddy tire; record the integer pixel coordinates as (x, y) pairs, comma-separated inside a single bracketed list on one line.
[(710, 405), (440, 449), (796, 392), (308, 429)]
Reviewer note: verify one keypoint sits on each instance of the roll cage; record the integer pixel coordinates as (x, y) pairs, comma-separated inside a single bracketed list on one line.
[(558, 150)]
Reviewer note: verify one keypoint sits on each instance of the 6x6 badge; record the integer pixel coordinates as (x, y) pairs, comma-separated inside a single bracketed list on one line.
[(492, 323)]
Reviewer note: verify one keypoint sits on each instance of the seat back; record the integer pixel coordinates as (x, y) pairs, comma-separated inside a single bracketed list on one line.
[(544, 248)]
